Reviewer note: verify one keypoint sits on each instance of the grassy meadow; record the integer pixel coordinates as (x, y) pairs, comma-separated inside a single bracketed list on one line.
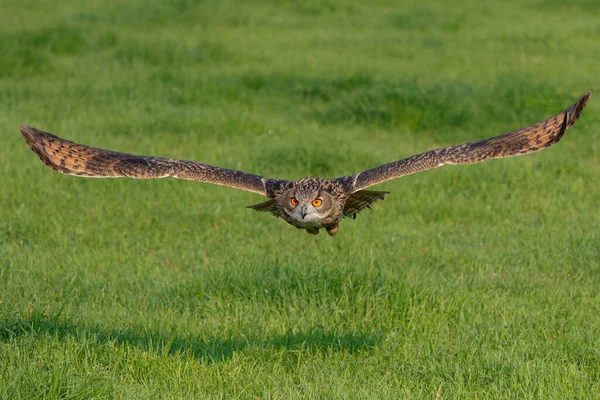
[(479, 281)]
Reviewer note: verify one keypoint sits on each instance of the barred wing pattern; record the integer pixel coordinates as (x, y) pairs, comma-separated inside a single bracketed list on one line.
[(71, 158), (527, 140)]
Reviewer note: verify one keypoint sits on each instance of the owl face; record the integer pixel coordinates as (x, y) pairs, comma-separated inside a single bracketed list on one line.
[(307, 207)]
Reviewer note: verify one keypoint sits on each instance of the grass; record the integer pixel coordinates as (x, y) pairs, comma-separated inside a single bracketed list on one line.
[(473, 282)]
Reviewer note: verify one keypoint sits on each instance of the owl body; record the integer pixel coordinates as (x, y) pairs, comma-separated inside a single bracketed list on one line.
[(310, 203)]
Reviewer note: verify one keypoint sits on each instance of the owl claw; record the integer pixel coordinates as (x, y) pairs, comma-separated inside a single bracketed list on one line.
[(332, 230), (313, 231)]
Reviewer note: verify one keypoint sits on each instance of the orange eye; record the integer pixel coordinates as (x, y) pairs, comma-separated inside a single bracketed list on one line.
[(317, 202), (294, 201)]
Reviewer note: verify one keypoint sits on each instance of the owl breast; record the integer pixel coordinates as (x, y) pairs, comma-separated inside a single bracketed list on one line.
[(315, 222), (304, 224)]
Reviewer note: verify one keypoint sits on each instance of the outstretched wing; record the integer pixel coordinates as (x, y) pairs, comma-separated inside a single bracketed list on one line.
[(75, 159), (527, 140)]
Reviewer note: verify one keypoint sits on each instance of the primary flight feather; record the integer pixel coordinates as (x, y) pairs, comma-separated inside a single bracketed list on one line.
[(309, 203)]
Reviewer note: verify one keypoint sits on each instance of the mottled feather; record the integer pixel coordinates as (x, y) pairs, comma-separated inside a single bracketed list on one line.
[(360, 200), (522, 141), (271, 206), (71, 158)]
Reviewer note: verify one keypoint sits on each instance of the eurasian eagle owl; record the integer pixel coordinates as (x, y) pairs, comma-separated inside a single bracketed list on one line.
[(310, 203)]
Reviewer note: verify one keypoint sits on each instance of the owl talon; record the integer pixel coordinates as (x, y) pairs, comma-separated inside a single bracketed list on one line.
[(313, 231), (332, 230)]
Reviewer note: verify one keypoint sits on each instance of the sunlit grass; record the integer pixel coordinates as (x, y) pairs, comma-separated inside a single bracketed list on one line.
[(476, 281)]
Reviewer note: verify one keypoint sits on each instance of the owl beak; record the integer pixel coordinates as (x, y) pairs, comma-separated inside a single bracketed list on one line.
[(303, 212)]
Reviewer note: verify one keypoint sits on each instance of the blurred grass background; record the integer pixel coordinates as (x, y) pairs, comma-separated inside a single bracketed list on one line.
[(472, 282)]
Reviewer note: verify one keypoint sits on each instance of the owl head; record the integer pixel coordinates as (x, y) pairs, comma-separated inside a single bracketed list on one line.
[(307, 204)]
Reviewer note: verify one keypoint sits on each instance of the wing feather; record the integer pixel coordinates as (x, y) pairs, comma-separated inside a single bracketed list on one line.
[(522, 141), (360, 200), (71, 158)]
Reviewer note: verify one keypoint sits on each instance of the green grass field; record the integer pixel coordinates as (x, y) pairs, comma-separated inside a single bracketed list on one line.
[(478, 281)]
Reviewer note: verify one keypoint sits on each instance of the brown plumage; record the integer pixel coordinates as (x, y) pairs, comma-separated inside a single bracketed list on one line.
[(75, 159), (522, 141), (310, 203)]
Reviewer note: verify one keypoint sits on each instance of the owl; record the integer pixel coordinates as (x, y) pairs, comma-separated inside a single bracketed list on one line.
[(311, 203)]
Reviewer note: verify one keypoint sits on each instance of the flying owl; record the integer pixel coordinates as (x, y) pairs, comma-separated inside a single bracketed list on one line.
[(309, 203)]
